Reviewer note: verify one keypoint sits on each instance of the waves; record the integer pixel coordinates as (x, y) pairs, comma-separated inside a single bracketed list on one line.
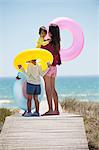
[(81, 88)]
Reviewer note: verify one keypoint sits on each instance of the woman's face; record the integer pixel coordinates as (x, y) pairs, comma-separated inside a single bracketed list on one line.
[(49, 33)]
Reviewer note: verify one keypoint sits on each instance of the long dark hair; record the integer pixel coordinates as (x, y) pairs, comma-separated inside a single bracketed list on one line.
[(55, 37)]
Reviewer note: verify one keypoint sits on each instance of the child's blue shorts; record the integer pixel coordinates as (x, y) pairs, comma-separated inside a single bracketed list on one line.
[(33, 89)]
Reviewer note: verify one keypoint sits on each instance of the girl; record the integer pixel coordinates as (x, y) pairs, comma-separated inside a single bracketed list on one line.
[(54, 47), (41, 40)]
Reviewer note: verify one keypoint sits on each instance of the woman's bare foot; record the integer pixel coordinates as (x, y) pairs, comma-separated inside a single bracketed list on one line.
[(48, 113), (56, 112)]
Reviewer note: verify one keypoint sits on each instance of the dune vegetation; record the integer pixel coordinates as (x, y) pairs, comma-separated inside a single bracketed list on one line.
[(90, 113), (4, 112)]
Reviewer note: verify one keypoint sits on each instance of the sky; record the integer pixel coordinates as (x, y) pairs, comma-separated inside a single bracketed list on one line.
[(21, 19)]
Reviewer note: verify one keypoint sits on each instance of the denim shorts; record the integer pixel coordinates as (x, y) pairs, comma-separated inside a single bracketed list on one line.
[(33, 89)]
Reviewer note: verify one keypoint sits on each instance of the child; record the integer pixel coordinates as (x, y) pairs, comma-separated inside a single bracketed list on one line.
[(33, 73), (42, 33)]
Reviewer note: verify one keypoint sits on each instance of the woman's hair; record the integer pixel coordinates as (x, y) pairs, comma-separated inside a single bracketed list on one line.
[(42, 28), (55, 37)]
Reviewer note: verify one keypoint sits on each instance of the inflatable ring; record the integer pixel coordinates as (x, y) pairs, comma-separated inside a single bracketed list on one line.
[(41, 55), (78, 37), (20, 94)]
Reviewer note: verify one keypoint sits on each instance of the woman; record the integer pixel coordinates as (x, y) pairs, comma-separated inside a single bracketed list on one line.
[(49, 78)]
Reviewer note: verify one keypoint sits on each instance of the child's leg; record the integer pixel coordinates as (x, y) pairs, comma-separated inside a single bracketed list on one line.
[(36, 103), (29, 103)]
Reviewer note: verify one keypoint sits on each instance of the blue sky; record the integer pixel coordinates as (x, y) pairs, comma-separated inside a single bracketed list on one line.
[(21, 19)]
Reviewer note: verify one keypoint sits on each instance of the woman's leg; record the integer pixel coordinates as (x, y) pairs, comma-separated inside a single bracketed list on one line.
[(48, 90), (29, 103), (36, 103), (54, 95)]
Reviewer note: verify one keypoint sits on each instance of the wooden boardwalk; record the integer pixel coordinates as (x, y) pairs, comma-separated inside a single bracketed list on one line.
[(63, 132)]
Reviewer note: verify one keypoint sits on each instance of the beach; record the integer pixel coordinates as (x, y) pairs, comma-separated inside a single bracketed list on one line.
[(79, 95)]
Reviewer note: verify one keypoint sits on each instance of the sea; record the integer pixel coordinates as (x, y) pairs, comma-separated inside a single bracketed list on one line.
[(84, 88)]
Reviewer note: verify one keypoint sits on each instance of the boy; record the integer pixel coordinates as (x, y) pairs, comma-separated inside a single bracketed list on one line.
[(33, 73)]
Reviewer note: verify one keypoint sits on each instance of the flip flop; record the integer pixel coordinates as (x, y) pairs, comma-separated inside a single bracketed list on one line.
[(49, 113)]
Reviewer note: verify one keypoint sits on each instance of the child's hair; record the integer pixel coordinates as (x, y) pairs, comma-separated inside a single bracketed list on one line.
[(55, 38), (42, 28)]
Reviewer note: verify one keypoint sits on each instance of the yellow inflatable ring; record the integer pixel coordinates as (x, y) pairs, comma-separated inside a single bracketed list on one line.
[(41, 55)]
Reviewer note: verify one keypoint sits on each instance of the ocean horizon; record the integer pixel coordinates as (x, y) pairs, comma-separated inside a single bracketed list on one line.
[(84, 88)]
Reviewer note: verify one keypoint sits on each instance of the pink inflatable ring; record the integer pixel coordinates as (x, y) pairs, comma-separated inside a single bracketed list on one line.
[(78, 38)]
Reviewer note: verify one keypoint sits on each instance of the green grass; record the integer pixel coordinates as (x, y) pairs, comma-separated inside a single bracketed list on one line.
[(90, 113), (4, 112)]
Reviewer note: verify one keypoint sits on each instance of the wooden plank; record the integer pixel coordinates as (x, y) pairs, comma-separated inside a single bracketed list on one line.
[(63, 132)]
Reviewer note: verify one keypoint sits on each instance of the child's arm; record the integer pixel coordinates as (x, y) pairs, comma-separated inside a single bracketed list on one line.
[(42, 73), (41, 42), (23, 70), (38, 44), (44, 43)]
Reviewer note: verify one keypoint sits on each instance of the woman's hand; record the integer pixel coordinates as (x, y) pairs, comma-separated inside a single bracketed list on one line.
[(48, 40)]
